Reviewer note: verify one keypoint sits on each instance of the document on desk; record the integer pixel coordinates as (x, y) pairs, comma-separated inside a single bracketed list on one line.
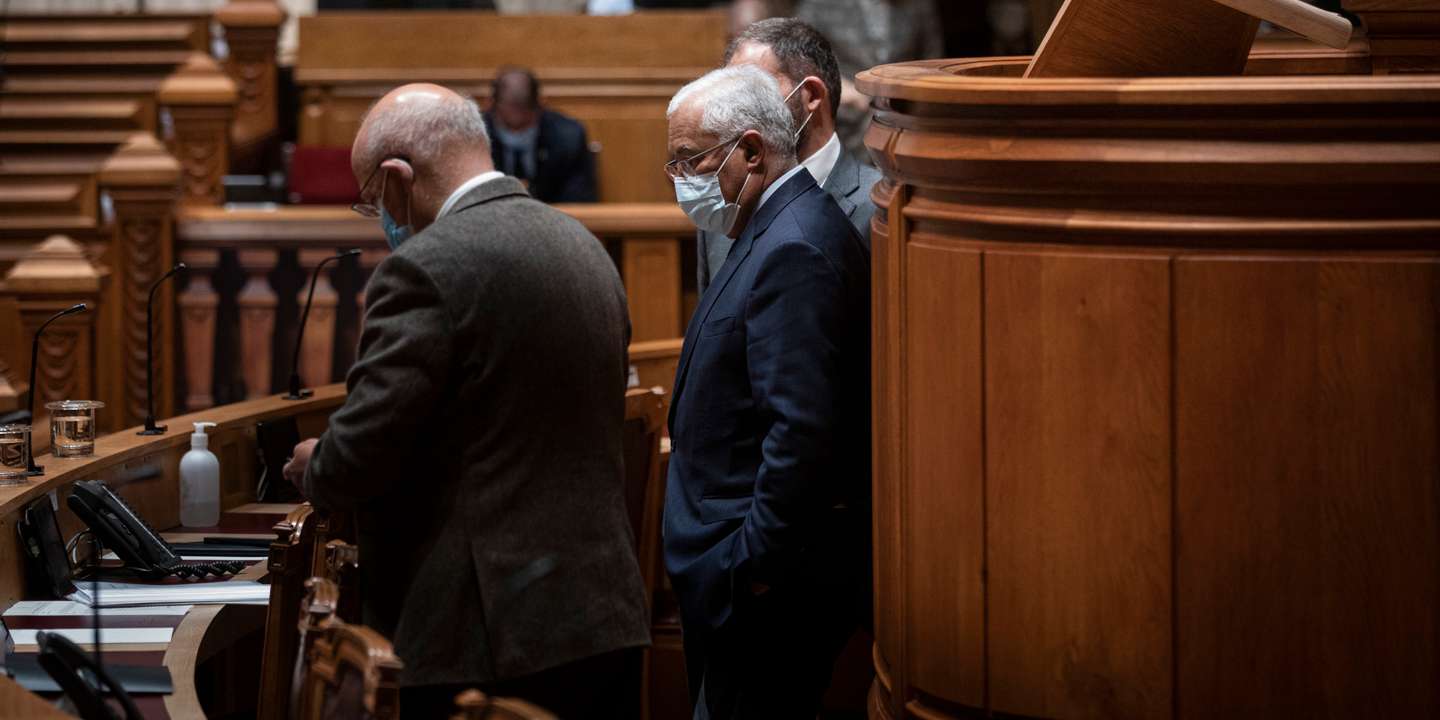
[(117, 595), (74, 621)]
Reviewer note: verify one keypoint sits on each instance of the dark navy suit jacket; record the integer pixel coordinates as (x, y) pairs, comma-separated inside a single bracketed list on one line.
[(770, 418), (564, 165)]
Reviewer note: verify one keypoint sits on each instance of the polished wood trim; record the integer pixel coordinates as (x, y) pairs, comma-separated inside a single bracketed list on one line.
[(116, 449), (182, 657)]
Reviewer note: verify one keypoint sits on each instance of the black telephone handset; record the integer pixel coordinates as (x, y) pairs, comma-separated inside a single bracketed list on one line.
[(138, 545), (83, 680)]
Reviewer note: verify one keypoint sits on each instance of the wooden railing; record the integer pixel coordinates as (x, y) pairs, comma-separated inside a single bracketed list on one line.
[(250, 269)]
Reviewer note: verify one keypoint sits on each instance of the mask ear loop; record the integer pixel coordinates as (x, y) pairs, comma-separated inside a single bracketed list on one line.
[(806, 121)]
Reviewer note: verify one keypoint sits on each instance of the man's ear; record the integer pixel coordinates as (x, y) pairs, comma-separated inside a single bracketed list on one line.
[(752, 147), (400, 170), (813, 94)]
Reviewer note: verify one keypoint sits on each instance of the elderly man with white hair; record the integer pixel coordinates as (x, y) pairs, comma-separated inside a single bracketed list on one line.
[(480, 442), (767, 501)]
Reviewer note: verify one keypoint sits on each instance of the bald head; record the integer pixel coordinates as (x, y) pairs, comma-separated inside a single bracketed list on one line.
[(425, 140)]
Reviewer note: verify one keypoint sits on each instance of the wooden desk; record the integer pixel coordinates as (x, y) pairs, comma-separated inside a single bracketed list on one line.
[(144, 471)]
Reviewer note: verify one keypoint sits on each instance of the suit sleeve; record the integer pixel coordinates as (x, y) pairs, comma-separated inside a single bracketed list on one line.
[(396, 384), (579, 181), (795, 320)]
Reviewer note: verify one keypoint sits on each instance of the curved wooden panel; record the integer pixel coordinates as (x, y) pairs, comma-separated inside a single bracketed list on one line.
[(1155, 394)]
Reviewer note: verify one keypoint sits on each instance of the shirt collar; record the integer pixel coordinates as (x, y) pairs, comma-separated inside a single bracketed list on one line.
[(466, 187), (822, 162)]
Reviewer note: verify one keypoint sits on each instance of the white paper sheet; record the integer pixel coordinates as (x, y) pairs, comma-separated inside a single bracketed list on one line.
[(64, 607), (108, 636), (130, 595)]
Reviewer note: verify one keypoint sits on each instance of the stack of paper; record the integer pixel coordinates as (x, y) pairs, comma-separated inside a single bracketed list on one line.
[(119, 626), (116, 594)]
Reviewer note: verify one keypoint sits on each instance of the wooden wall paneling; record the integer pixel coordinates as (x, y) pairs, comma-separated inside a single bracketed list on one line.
[(199, 305), (942, 507), (1307, 500), (257, 301), (1077, 408), (633, 65), (652, 285), (141, 181)]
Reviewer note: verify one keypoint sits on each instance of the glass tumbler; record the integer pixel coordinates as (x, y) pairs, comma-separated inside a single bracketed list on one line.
[(72, 427), (14, 454)]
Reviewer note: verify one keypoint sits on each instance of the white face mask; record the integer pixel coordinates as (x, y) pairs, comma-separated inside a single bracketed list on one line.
[(803, 123), (702, 199)]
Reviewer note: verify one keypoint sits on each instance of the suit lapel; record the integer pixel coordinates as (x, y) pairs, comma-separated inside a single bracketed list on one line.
[(793, 188), (844, 180)]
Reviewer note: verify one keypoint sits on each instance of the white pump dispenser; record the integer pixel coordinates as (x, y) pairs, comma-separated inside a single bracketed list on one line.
[(200, 482)]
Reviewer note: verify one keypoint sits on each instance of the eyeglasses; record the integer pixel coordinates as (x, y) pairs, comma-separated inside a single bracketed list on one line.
[(372, 209), (677, 169)]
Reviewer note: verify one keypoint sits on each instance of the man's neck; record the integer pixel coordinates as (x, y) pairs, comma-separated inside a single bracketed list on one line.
[(815, 137)]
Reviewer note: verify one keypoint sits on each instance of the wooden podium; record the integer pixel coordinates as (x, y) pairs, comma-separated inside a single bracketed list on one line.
[(1156, 408)]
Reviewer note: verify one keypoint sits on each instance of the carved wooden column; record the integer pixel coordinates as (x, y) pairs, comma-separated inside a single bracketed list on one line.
[(52, 276), (201, 101), (319, 347), (257, 302), (198, 304), (251, 30), (140, 179)]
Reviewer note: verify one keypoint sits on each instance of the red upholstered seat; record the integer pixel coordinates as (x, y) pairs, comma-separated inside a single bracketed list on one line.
[(321, 176)]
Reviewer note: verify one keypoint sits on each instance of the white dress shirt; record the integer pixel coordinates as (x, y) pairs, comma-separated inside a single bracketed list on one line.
[(466, 187), (823, 161)]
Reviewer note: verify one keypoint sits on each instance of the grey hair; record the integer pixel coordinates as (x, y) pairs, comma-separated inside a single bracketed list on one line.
[(425, 131), (736, 99)]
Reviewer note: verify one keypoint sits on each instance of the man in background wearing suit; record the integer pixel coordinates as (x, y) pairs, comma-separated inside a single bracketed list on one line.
[(480, 442), (545, 149), (767, 519), (802, 63)]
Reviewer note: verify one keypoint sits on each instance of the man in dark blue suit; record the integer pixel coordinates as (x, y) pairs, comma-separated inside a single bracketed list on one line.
[(767, 521), (543, 148)]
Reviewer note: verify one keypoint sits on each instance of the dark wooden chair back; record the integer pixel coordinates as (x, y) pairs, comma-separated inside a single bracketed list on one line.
[(346, 671), (291, 557), (342, 567), (644, 488), (475, 705)]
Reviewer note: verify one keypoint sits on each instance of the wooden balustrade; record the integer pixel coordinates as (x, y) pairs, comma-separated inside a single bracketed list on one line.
[(252, 28), (250, 270)]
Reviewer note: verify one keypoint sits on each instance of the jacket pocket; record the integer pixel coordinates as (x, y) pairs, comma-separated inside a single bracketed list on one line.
[(720, 509), (721, 326)]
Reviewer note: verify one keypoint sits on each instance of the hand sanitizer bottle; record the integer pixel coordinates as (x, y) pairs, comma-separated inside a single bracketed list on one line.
[(200, 482)]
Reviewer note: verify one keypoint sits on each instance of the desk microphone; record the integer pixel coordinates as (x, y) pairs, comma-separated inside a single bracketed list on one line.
[(34, 469), (150, 427), (296, 393)]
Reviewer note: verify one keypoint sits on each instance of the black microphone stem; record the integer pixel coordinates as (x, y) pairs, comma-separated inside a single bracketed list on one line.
[(295, 392), (150, 427), (34, 469)]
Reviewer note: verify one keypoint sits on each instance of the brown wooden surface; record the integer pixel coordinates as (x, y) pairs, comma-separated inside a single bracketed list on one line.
[(289, 564), (614, 74), (1130, 38), (1155, 393)]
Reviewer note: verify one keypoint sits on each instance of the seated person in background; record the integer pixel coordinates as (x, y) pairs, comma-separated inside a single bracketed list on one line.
[(480, 443), (800, 60), (767, 502), (546, 150)]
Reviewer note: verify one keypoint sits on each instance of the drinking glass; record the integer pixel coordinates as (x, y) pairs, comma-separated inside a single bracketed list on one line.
[(14, 454), (72, 427)]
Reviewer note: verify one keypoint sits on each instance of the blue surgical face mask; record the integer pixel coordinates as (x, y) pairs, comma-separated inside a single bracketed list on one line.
[(702, 199), (395, 233)]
